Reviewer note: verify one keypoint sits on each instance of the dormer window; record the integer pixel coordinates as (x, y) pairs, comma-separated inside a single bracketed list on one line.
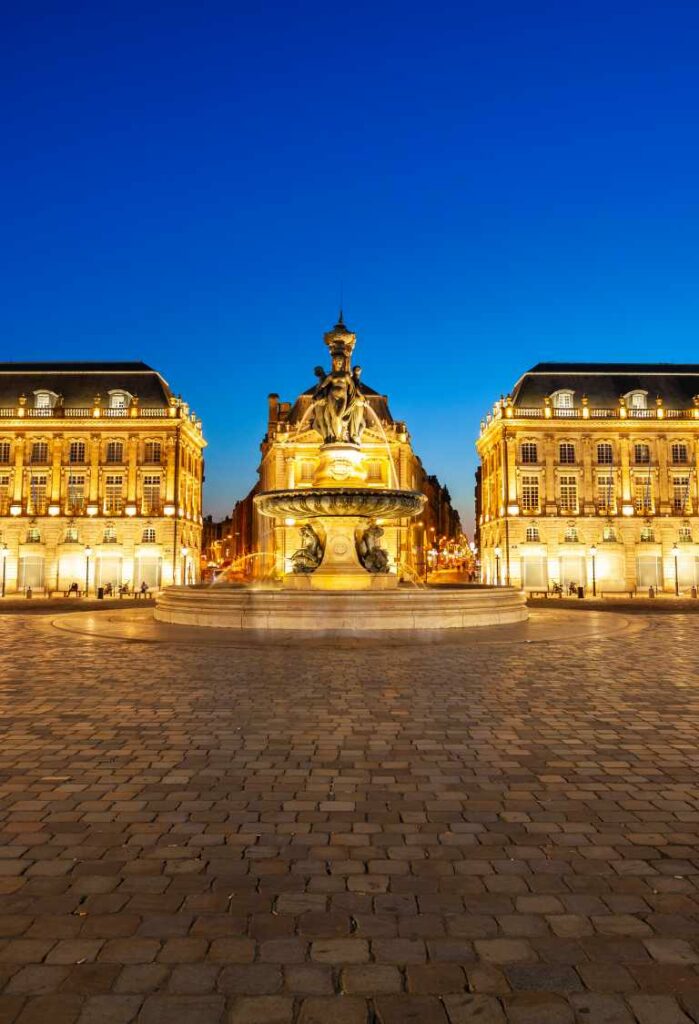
[(45, 400), (119, 399), (637, 399), (562, 399)]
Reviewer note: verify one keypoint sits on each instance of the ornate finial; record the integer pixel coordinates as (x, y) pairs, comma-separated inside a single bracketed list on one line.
[(340, 318)]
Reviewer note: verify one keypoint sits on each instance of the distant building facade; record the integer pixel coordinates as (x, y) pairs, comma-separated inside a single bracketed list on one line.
[(588, 477), (290, 455), (101, 474)]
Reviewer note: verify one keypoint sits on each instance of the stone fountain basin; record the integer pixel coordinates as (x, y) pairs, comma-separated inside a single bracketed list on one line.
[(340, 501)]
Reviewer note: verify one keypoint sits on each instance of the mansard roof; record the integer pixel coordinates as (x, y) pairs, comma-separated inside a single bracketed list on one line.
[(604, 383), (79, 382)]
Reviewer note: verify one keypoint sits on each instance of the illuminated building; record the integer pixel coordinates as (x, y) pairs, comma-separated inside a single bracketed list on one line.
[(588, 477), (100, 478)]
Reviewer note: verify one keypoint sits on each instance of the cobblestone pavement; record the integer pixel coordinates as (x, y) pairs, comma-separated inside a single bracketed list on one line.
[(437, 834)]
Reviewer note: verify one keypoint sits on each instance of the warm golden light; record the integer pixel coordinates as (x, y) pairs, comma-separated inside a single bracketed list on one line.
[(289, 522)]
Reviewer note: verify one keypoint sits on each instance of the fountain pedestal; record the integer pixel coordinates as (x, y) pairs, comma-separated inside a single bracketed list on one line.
[(340, 568)]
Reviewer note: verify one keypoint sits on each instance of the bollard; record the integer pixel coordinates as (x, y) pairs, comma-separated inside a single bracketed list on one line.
[(651, 591), (29, 593), (694, 591)]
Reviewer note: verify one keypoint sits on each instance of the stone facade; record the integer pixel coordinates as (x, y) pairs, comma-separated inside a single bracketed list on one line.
[(101, 475), (588, 477)]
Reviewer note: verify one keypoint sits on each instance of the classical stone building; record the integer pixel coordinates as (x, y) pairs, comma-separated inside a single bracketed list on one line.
[(589, 477), (100, 478), (290, 456)]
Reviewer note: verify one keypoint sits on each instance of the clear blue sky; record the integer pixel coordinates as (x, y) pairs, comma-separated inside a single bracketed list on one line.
[(493, 183)]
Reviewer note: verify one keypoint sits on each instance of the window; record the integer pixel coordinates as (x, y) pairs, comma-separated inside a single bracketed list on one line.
[(679, 454), (5, 452), (571, 535), (113, 494), (71, 535), (533, 534), (4, 494), (76, 494), (684, 535), (562, 399), (604, 454), (37, 494), (642, 494), (151, 451), (110, 536), (33, 535), (151, 495), (114, 452), (605, 492), (569, 493), (566, 453), (148, 535), (76, 452), (637, 399), (530, 493), (647, 535), (529, 452), (680, 493), (119, 399), (609, 533), (641, 454), (45, 400), (40, 452)]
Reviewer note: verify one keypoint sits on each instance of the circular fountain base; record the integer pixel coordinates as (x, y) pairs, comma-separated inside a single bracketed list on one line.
[(243, 607)]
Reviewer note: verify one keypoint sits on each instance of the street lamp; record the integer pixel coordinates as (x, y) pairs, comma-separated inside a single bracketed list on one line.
[(184, 552), (676, 551), (3, 555), (593, 552), (88, 552), (497, 552)]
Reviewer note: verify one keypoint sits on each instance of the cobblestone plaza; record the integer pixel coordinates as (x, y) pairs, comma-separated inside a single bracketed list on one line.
[(478, 830)]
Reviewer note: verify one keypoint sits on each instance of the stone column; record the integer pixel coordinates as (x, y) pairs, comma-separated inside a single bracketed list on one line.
[(94, 467), (131, 467), (56, 458), (18, 483)]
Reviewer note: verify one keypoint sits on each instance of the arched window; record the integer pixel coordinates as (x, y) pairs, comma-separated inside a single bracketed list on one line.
[(33, 535), (45, 399), (76, 452), (148, 535), (684, 535), (566, 453), (114, 452), (679, 452), (563, 398), (110, 536), (528, 452), (119, 399), (609, 533), (533, 533), (604, 454), (637, 399), (571, 535), (152, 451)]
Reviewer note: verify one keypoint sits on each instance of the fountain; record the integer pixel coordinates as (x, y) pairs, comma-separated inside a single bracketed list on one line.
[(340, 578)]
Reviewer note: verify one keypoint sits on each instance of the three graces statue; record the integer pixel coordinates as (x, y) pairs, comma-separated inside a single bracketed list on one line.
[(339, 408)]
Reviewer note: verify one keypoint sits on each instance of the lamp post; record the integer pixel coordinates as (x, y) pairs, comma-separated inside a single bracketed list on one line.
[(593, 553), (184, 552), (88, 552), (497, 552), (3, 555), (676, 551)]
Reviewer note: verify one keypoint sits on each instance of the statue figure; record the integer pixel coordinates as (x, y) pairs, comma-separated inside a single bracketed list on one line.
[(338, 403), (310, 554), (373, 557)]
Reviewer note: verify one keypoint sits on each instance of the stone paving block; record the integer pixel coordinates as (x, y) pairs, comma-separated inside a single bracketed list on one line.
[(406, 1009), (537, 1008), (474, 1009), (110, 1009), (371, 980), (262, 1010), (10, 1007), (657, 1009), (170, 1009), (592, 1008), (334, 1010)]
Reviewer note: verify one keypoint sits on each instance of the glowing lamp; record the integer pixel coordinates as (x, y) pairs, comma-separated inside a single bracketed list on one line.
[(289, 522), (130, 510), (92, 510), (497, 552), (54, 510), (88, 551), (169, 510), (184, 552), (513, 510), (627, 510), (15, 510)]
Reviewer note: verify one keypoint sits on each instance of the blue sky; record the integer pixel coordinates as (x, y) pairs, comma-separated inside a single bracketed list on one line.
[(491, 184)]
